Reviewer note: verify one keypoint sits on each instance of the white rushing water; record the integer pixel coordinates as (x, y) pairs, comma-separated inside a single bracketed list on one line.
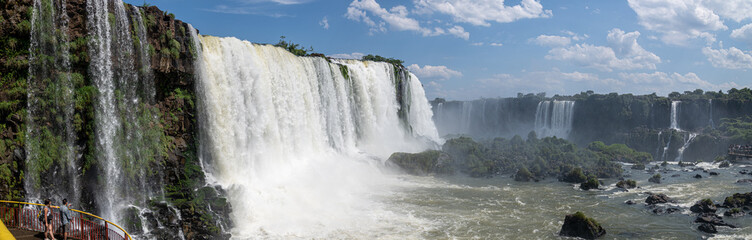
[(675, 115), (554, 118), (297, 140), (710, 109), (120, 70)]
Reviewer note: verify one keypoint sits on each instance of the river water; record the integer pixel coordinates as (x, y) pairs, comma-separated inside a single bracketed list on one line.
[(459, 207)]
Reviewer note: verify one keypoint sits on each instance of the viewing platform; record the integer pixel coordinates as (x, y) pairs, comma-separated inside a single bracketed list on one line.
[(22, 221), (739, 152)]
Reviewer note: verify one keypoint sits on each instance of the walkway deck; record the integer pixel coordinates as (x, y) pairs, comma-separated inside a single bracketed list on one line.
[(23, 234)]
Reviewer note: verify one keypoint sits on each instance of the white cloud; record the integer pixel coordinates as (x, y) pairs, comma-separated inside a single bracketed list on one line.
[(355, 55), (551, 41), (459, 32), (397, 19), (496, 44), (624, 53), (682, 20), (677, 20), (743, 33), (731, 58), (663, 83), (551, 82), (477, 44), (480, 13), (568, 83), (625, 45), (737, 10), (324, 23), (428, 71)]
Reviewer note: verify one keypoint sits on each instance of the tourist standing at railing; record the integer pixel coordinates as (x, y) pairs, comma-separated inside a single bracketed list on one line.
[(48, 220), (65, 217)]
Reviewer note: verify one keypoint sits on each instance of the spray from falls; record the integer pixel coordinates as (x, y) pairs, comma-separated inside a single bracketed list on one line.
[(554, 118), (294, 138)]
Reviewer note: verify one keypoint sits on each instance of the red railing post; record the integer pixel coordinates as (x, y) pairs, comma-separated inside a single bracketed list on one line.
[(106, 231), (80, 224), (18, 215)]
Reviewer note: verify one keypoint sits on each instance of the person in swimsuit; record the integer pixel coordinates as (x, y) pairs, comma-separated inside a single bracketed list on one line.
[(47, 211)]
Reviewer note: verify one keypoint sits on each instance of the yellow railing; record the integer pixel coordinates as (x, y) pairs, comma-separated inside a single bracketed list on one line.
[(126, 235)]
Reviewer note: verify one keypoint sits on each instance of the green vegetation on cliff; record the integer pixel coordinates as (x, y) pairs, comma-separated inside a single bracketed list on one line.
[(738, 129), (293, 48), (377, 58), (15, 29), (545, 157)]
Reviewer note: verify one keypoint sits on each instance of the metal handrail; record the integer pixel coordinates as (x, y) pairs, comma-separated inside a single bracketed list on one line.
[(127, 236)]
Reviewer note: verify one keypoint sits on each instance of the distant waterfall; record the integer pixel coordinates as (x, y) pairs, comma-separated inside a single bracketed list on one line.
[(710, 109), (50, 144), (554, 118), (294, 138), (675, 115)]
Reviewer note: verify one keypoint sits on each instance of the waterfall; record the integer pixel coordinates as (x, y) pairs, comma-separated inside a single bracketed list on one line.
[(710, 109), (554, 118), (466, 117), (660, 144), (51, 168), (687, 140), (668, 145), (125, 124), (674, 115), (294, 138), (147, 77)]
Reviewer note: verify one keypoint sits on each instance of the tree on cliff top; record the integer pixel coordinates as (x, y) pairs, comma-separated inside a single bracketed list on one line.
[(294, 48), (378, 58)]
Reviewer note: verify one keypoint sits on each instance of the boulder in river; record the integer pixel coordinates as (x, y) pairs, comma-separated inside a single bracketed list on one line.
[(592, 183), (698, 176), (578, 225), (738, 200), (638, 166), (734, 212), (712, 218), (714, 173), (658, 198), (574, 176), (627, 184), (655, 178), (704, 206), (524, 175), (424, 163), (665, 210), (742, 181), (707, 227), (724, 164)]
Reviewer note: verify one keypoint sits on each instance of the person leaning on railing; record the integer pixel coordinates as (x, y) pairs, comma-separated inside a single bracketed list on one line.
[(65, 217)]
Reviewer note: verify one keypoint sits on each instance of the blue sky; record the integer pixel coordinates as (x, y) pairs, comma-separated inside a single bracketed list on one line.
[(468, 49)]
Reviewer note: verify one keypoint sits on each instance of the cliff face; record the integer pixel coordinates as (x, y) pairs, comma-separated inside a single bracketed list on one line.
[(177, 166), (15, 28)]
